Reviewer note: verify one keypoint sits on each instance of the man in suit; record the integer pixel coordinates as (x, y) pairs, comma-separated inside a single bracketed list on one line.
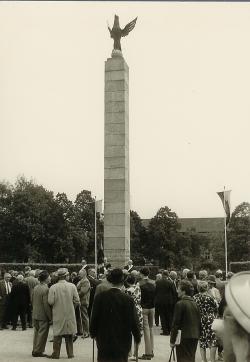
[(103, 285), (165, 298), (187, 320), (19, 301), (191, 278), (173, 278), (41, 314), (113, 321), (83, 288), (129, 267), (63, 298), (31, 281), (5, 289), (93, 284)]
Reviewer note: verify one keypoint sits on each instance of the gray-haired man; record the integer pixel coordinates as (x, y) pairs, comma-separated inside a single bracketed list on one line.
[(41, 314)]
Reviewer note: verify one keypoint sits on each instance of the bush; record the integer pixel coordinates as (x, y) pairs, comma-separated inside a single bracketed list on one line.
[(49, 267), (238, 266), (71, 267)]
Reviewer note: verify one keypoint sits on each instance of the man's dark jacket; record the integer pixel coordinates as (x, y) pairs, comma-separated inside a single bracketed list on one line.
[(20, 296), (147, 293), (165, 292), (113, 321), (187, 319), (93, 284)]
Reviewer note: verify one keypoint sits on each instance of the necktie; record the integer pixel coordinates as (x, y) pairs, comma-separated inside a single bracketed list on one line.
[(7, 288)]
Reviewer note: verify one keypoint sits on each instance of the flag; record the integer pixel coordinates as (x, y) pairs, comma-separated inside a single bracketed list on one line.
[(225, 198), (98, 206)]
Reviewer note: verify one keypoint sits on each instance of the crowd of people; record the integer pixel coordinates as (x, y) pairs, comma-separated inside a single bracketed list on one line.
[(115, 305)]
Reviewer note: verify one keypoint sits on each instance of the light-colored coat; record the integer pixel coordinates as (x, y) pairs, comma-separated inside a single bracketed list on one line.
[(63, 298)]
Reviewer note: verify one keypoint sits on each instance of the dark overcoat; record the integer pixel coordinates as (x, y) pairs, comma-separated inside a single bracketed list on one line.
[(113, 322), (187, 319), (20, 297), (165, 292)]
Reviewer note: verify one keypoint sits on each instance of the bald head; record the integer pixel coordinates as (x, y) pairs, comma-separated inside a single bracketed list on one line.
[(134, 273), (32, 273), (92, 272), (7, 277), (173, 275)]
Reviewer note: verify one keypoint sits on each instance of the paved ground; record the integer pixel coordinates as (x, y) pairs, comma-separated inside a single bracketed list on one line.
[(16, 346)]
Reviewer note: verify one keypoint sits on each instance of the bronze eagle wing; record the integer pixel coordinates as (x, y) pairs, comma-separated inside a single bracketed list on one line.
[(130, 26)]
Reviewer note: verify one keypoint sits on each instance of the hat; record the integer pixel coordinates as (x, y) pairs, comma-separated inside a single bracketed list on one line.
[(237, 295), (116, 276), (211, 279), (62, 272)]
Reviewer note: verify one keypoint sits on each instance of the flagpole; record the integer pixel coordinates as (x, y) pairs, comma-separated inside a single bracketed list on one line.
[(225, 232), (95, 240)]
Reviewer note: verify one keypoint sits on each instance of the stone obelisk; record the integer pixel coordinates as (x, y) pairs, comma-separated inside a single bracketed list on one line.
[(116, 162), (116, 152)]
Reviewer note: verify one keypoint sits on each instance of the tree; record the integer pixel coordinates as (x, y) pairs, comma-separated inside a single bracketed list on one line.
[(74, 238), (162, 236), (5, 219), (84, 220), (239, 233), (38, 226), (138, 238)]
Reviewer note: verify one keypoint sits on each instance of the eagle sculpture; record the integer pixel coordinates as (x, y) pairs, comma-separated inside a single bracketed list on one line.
[(116, 32)]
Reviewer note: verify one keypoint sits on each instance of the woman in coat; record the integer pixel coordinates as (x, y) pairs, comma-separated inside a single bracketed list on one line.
[(186, 320)]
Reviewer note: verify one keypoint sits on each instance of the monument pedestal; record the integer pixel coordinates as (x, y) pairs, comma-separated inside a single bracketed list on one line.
[(116, 162)]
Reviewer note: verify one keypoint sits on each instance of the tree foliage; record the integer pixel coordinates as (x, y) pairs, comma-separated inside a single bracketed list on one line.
[(162, 236), (239, 233), (138, 238), (37, 226)]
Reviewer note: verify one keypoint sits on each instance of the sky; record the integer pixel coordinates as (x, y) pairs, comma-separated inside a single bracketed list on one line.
[(189, 100)]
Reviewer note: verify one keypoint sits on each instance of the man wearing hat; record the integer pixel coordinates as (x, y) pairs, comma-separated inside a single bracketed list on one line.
[(41, 314), (113, 321), (212, 290), (63, 298)]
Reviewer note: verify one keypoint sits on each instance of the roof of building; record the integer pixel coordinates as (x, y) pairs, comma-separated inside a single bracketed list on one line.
[(200, 224)]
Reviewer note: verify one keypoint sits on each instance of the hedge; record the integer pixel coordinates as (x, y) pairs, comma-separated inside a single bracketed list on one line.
[(49, 267), (238, 266), (71, 267)]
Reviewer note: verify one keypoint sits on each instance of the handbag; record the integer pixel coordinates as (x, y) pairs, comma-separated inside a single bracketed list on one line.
[(172, 355)]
